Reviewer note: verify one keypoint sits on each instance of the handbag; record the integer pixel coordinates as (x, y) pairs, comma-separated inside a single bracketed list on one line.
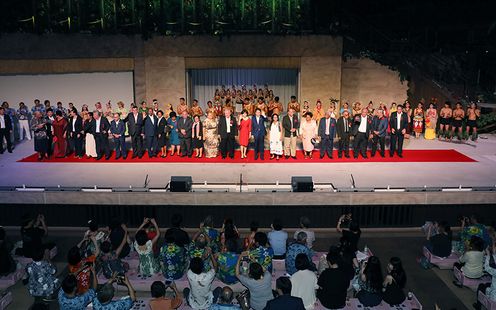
[(243, 299)]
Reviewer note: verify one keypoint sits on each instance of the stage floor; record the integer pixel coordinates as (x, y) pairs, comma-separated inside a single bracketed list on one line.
[(480, 172)]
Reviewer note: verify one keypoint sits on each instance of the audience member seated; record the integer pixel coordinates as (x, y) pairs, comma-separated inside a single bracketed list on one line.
[(105, 295), (99, 236), (200, 248), (333, 282), (42, 282), (7, 263), (284, 300), (299, 246), (305, 227), (278, 239), (227, 260), (207, 227), (258, 282), (471, 227), (110, 261), (471, 263), (181, 238), (117, 232), (353, 231), (489, 289), (304, 282), (148, 265), (32, 233), (68, 297), (369, 290), (349, 260), (81, 268), (225, 301), (394, 283), (199, 295), (249, 241), (172, 258), (440, 243), (262, 253), (160, 301)]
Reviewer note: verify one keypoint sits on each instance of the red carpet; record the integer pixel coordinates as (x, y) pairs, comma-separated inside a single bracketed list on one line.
[(408, 156)]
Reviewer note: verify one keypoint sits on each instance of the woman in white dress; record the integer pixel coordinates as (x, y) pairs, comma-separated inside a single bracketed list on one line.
[(308, 131), (275, 137), (90, 144)]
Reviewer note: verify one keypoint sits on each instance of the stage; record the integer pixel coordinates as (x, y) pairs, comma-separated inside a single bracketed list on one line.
[(473, 165)]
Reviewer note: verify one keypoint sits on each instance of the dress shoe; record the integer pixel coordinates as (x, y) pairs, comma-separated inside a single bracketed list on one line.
[(340, 156), (223, 157), (400, 155), (231, 157), (10, 151), (287, 156), (256, 157), (125, 157), (321, 156), (261, 158), (107, 157), (365, 157), (347, 156), (117, 157), (134, 156), (293, 157), (98, 157), (330, 157)]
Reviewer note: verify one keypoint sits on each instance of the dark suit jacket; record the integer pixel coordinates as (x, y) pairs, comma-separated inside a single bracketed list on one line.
[(185, 124), (78, 126), (161, 126), (104, 126), (380, 125), (118, 129), (340, 126), (222, 127), (150, 129), (394, 119), (134, 127), (356, 124), (286, 125), (258, 129), (332, 127), (285, 302), (8, 122)]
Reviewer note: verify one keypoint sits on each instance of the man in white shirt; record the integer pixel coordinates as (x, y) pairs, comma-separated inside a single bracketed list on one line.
[(362, 126), (199, 295), (5, 131), (398, 123), (228, 130)]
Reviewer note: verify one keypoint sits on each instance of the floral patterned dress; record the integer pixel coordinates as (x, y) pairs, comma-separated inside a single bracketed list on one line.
[(173, 261), (148, 265)]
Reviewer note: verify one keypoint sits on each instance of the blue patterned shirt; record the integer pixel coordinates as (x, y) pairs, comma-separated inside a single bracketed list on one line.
[(293, 251), (78, 302), (173, 261), (42, 280), (263, 256)]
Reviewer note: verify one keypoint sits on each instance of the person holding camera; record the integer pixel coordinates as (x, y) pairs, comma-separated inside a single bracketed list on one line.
[(352, 232), (160, 301), (105, 294)]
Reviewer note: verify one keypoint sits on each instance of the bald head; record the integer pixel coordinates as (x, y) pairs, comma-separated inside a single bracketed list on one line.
[(226, 295)]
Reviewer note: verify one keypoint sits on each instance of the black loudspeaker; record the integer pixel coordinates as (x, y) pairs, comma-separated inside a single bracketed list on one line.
[(180, 183), (301, 184)]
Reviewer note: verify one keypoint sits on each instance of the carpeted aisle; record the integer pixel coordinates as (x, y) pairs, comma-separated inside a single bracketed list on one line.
[(433, 156)]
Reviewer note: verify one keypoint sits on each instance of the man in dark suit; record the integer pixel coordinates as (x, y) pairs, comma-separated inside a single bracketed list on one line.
[(362, 125), (75, 133), (5, 130), (118, 129), (290, 125), (150, 124), (49, 121), (258, 133), (284, 300), (228, 130), (399, 123), (343, 129), (101, 128), (135, 128), (327, 131), (379, 130), (184, 132)]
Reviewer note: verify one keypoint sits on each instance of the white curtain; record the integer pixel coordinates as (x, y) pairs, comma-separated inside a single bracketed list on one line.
[(204, 82)]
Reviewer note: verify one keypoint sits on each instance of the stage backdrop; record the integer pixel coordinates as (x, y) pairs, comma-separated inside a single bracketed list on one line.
[(78, 88), (284, 82)]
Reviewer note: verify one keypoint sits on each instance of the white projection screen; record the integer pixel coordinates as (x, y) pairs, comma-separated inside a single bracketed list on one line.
[(78, 88)]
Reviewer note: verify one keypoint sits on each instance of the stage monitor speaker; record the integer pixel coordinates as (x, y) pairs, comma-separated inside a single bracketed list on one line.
[(180, 183), (302, 184)]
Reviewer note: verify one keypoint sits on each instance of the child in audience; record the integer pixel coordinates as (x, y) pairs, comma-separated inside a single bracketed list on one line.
[(148, 265)]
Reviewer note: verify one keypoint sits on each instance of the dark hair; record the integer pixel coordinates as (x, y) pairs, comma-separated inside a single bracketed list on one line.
[(293, 97), (92, 225), (58, 113), (305, 221), (232, 245), (74, 110), (301, 262), (333, 256), (161, 112), (158, 289), (276, 98), (373, 273), (106, 247), (397, 272), (399, 106), (275, 114), (38, 253), (106, 293), (309, 114), (141, 237), (284, 284), (196, 265), (49, 110), (446, 228), (172, 114), (256, 271), (69, 283), (170, 238), (254, 226), (230, 229), (176, 219), (257, 109), (261, 238), (477, 244), (208, 221), (277, 224), (244, 111), (74, 256)]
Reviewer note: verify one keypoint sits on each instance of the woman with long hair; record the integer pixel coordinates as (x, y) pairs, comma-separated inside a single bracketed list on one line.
[(370, 283), (275, 137), (395, 282)]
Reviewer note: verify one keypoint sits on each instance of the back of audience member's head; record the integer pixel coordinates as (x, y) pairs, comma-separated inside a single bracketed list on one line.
[(301, 237), (69, 284), (196, 265), (170, 238), (226, 295), (301, 262), (105, 293), (176, 220), (106, 247), (476, 244), (284, 285), (443, 226), (201, 241), (38, 253), (474, 218), (333, 256), (74, 256), (261, 238), (230, 229), (92, 225), (397, 271), (256, 271), (158, 289), (254, 226), (141, 237), (277, 224), (305, 222), (115, 223), (208, 221), (232, 245), (373, 273)]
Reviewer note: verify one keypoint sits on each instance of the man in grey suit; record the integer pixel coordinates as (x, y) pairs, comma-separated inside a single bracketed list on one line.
[(184, 127)]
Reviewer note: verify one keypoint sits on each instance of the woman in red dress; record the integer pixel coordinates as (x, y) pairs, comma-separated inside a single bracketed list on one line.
[(244, 126), (59, 127)]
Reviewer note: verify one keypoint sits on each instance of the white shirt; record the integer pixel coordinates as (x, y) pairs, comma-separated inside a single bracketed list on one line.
[(74, 123), (258, 119), (228, 124), (152, 119), (345, 121), (98, 125), (135, 118), (304, 284), (201, 296), (328, 120), (363, 124), (2, 122), (398, 120)]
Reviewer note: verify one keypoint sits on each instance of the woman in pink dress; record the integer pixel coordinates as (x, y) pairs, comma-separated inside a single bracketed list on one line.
[(244, 126), (59, 127)]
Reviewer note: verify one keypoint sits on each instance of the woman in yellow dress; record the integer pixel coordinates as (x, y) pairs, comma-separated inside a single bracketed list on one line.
[(430, 122)]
